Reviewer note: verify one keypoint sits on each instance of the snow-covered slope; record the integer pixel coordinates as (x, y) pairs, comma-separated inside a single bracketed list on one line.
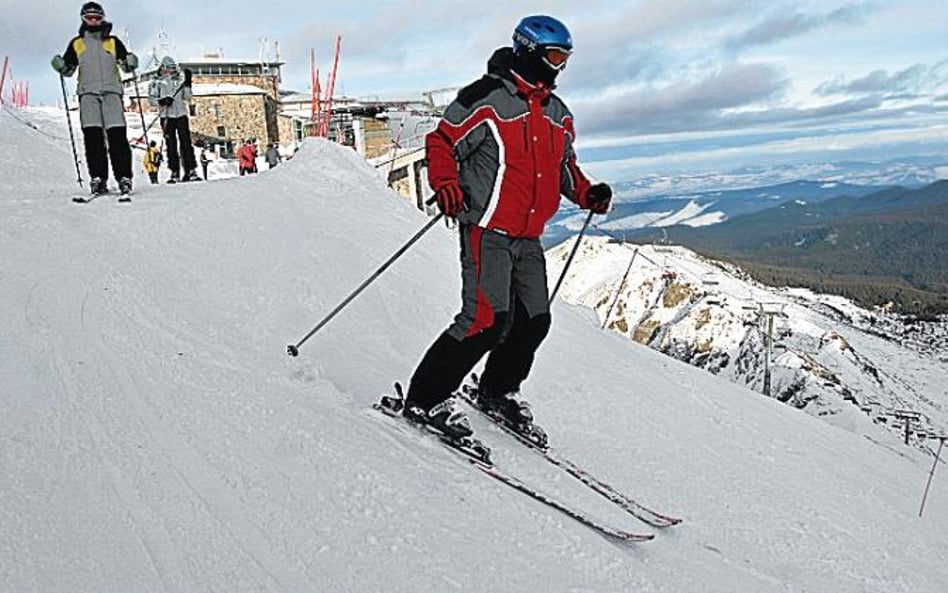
[(156, 437)]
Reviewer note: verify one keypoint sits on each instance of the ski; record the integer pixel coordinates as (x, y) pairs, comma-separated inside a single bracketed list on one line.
[(626, 503), (123, 199), (86, 199), (477, 454), (605, 530)]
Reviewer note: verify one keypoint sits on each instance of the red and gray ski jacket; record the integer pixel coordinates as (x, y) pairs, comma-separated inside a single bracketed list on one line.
[(509, 144)]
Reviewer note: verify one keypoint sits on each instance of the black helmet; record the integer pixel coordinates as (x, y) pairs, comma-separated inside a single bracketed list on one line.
[(93, 16), (92, 8)]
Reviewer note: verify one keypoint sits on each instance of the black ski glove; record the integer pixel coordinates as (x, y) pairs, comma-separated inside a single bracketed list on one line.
[(599, 198), (166, 101), (187, 77)]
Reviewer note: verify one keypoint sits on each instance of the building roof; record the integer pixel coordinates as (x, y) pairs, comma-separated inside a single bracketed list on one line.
[(225, 88), (205, 61)]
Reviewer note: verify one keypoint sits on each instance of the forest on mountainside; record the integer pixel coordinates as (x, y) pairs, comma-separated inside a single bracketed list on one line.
[(890, 246)]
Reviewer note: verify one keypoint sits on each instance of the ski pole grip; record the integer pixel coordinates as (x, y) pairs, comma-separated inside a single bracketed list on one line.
[(434, 199)]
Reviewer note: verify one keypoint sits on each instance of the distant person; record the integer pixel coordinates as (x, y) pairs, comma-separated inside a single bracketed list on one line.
[(169, 93), (97, 56), (272, 156), (498, 161), (205, 161), (152, 161), (247, 158)]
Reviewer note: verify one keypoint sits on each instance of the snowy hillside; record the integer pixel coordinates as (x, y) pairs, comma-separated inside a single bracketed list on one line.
[(831, 358), (155, 436)]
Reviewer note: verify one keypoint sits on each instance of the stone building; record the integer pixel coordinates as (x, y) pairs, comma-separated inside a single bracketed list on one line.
[(233, 100)]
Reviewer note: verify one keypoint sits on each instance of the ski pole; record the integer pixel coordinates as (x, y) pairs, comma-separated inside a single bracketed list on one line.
[(141, 113), (72, 138), (571, 255), (931, 474), (294, 349)]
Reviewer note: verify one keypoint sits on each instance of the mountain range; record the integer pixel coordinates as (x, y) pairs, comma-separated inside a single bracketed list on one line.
[(887, 246)]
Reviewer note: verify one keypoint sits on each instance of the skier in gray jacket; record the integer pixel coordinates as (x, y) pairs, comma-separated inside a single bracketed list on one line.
[(169, 93), (97, 56)]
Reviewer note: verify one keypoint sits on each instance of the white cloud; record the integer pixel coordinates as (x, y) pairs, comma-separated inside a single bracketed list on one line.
[(640, 68)]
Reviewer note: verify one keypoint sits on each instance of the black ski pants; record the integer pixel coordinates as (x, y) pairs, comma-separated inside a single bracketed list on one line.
[(504, 312), (177, 132), (98, 156)]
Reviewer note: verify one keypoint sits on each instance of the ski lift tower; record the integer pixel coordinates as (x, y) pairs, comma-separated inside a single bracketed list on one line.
[(907, 417), (765, 315)]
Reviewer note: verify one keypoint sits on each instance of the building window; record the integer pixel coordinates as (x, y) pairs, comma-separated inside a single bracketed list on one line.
[(221, 132), (192, 109)]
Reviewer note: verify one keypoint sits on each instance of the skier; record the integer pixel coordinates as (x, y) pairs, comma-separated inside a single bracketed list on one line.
[(205, 161), (152, 161), (498, 161), (247, 158), (97, 55), (272, 156), (169, 93)]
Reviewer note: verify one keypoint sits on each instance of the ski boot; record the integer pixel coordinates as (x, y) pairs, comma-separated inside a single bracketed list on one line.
[(511, 410), (98, 186), (446, 418), (175, 177), (125, 187), (191, 175)]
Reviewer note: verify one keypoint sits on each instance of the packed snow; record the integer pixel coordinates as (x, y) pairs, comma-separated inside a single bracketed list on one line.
[(157, 437)]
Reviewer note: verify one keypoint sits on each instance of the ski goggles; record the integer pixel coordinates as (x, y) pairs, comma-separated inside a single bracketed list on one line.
[(555, 57), (92, 18)]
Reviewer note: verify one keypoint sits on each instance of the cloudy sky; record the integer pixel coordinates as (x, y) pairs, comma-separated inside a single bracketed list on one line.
[(656, 85)]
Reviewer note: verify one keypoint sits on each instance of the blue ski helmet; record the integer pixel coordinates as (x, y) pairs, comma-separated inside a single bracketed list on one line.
[(538, 31)]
